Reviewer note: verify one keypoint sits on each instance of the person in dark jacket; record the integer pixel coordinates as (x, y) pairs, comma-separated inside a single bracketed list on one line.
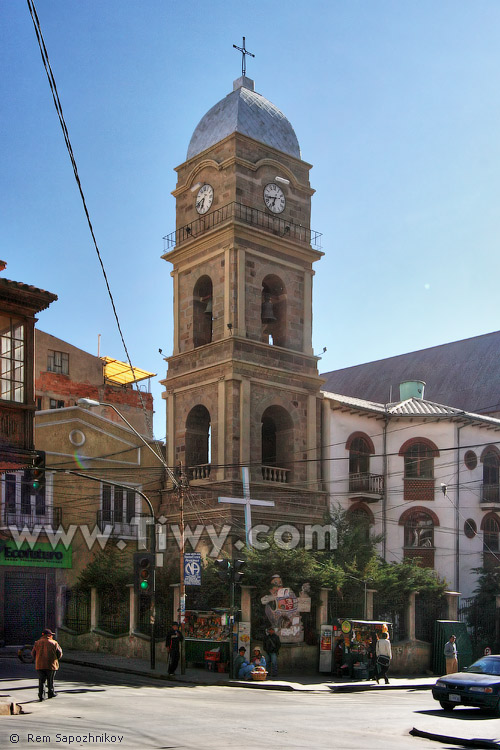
[(46, 653), (173, 644), (272, 645)]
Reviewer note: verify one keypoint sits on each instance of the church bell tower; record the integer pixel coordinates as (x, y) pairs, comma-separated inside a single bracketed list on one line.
[(242, 387)]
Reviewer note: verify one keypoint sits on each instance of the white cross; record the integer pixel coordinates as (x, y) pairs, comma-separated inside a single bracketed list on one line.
[(247, 501)]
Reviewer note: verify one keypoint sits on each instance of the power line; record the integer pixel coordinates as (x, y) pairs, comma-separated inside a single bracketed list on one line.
[(57, 103)]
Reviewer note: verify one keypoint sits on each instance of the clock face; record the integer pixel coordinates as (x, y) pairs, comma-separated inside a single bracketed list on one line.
[(204, 198), (274, 198)]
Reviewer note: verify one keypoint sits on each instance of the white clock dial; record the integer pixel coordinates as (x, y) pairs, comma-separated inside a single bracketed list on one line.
[(274, 198), (204, 198)]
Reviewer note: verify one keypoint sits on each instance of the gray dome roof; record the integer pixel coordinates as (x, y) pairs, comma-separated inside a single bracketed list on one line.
[(244, 111)]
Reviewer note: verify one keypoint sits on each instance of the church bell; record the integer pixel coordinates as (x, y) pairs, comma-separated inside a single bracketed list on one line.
[(267, 312)]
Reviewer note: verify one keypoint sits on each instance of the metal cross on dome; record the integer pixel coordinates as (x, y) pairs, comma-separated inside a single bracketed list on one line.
[(243, 53)]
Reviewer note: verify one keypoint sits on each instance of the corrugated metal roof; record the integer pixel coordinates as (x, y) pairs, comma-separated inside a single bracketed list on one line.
[(122, 373), (412, 407), (244, 111), (464, 374)]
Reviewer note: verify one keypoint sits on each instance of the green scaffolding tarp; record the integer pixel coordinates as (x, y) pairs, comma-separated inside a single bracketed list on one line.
[(442, 631)]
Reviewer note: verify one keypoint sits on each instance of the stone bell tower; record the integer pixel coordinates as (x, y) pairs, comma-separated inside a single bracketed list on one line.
[(242, 387)]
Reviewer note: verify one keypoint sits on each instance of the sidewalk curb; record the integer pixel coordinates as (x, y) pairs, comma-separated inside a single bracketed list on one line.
[(340, 688), (363, 688)]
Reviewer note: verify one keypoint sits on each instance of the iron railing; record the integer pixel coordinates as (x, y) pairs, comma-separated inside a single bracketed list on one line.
[(113, 615), (77, 614), (490, 493), (248, 215), (51, 518), (120, 523), (362, 482)]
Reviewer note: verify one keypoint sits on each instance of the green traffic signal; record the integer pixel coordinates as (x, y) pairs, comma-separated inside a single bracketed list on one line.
[(144, 585)]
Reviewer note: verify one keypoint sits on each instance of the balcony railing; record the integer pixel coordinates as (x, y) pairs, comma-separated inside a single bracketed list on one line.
[(490, 493), (248, 215), (119, 522), (200, 472), (373, 484), (275, 474), (52, 518)]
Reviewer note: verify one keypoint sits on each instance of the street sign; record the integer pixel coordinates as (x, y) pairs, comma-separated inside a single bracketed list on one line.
[(192, 569)]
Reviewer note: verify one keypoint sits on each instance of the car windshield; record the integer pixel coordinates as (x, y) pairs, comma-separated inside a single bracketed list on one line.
[(486, 665)]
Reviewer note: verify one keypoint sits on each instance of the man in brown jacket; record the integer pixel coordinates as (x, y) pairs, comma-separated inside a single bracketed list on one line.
[(46, 653)]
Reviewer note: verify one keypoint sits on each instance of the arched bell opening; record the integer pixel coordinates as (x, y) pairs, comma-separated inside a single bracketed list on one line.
[(277, 445), (202, 311), (273, 311)]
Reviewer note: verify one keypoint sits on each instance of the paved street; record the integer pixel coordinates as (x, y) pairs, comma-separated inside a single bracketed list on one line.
[(96, 708)]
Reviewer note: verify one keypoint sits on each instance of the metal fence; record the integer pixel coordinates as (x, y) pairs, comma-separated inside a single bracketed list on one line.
[(483, 623), (427, 611), (77, 612), (113, 615), (348, 605), (393, 612)]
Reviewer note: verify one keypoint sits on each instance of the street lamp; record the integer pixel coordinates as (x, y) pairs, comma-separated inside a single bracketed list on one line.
[(178, 486)]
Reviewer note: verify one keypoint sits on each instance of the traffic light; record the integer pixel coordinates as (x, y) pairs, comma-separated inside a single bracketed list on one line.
[(230, 571), (144, 572), (223, 569), (37, 473), (238, 573)]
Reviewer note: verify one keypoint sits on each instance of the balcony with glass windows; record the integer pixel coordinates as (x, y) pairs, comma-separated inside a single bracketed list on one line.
[(366, 486)]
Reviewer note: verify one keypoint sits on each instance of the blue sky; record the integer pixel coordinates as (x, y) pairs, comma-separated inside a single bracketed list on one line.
[(396, 104)]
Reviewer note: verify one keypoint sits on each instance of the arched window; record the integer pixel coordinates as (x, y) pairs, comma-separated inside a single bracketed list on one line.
[(277, 444), (419, 530), (362, 518), (491, 541), (359, 456), (491, 475), (202, 311), (419, 462), (273, 311), (360, 447), (198, 434), (418, 526), (418, 455)]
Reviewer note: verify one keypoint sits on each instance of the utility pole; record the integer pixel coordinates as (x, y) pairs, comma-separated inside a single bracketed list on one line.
[(181, 486)]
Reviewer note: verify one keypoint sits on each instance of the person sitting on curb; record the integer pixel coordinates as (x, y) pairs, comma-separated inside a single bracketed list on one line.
[(258, 657), (239, 662)]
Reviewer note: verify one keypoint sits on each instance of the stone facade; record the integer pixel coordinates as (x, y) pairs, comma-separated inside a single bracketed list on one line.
[(242, 387)]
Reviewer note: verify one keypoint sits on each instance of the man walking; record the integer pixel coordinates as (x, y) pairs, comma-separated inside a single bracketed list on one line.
[(450, 652), (272, 645), (46, 653), (173, 644)]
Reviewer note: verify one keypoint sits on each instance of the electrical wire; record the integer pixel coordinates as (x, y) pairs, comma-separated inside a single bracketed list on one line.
[(57, 103)]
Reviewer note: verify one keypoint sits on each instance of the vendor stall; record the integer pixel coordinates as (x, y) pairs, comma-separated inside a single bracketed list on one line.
[(206, 637), (353, 644)]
